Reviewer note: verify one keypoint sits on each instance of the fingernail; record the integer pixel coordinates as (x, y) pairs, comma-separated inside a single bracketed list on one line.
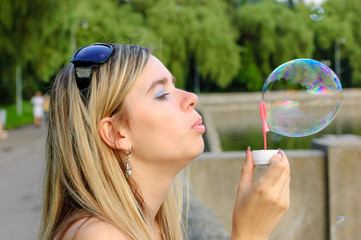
[(280, 154), (247, 150)]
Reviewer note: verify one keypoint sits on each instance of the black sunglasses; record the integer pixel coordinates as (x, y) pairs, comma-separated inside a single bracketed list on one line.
[(86, 58)]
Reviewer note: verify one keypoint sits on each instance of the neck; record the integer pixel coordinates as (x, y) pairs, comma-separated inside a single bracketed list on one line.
[(154, 182)]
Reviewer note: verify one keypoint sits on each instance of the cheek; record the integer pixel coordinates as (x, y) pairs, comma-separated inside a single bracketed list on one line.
[(163, 130)]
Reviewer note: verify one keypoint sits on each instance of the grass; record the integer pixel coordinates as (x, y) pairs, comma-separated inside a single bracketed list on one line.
[(13, 120)]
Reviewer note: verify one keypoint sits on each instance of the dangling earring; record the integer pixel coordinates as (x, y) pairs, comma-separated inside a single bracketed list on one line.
[(128, 166)]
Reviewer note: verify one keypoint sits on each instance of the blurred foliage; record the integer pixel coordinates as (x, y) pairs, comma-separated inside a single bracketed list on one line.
[(198, 33), (342, 24), (31, 36), (226, 45), (271, 34)]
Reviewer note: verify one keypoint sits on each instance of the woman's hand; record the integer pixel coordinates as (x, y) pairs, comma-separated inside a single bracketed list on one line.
[(260, 206)]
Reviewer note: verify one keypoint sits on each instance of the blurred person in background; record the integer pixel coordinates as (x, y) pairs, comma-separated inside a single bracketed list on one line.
[(3, 132), (120, 134), (38, 108)]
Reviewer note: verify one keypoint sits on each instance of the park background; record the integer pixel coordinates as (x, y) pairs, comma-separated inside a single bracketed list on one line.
[(223, 50), (210, 46)]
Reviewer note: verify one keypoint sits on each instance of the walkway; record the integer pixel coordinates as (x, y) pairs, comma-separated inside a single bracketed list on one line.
[(21, 171)]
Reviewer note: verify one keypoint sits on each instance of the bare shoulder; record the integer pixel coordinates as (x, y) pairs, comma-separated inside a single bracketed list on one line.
[(93, 229)]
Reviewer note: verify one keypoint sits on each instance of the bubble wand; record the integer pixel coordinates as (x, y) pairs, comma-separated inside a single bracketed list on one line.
[(265, 129), (263, 157)]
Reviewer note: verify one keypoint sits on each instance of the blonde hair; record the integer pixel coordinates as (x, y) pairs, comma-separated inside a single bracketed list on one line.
[(84, 177)]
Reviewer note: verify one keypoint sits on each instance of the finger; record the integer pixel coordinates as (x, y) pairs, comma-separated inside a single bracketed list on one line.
[(285, 177), (284, 180), (286, 186), (274, 171), (284, 158), (247, 172), (285, 194)]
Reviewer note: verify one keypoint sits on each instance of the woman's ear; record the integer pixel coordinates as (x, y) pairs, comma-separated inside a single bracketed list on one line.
[(111, 135)]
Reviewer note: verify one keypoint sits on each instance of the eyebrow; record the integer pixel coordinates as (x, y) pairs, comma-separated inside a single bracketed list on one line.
[(161, 81)]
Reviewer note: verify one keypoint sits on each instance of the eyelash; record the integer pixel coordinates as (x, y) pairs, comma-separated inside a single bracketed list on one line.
[(163, 96)]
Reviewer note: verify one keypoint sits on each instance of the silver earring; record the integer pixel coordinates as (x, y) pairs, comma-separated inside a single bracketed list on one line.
[(128, 166)]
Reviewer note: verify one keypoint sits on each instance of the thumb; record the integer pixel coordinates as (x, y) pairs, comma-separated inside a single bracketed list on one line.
[(247, 173)]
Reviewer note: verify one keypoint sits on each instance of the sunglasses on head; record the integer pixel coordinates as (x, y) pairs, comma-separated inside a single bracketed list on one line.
[(86, 58)]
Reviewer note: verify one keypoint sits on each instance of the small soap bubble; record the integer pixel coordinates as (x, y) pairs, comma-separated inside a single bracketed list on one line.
[(317, 13), (340, 220), (302, 97)]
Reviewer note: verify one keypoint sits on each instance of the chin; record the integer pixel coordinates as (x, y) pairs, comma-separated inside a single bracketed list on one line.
[(192, 151), (198, 149)]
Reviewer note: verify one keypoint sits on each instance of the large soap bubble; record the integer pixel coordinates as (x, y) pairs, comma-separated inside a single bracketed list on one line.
[(301, 97)]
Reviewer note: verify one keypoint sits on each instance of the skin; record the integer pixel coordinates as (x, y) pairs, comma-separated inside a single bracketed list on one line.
[(164, 137)]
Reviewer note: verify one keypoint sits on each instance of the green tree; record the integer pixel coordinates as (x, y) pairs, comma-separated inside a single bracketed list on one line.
[(36, 37), (273, 34), (194, 38), (250, 77), (107, 21), (25, 39), (340, 27)]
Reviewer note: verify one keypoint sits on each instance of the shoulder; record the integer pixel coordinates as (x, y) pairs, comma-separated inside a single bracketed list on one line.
[(93, 229)]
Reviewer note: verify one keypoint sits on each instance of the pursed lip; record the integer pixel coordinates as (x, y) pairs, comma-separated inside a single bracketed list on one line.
[(198, 122), (198, 126)]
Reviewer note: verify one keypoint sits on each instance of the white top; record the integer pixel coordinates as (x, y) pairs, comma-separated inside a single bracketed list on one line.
[(38, 109)]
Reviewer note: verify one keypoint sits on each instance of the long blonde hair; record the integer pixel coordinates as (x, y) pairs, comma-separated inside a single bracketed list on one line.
[(84, 177)]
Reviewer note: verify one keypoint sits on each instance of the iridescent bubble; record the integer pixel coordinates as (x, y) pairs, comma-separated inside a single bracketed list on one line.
[(302, 97), (317, 13), (340, 220)]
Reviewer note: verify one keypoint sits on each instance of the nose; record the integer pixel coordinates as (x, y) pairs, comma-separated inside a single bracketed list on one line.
[(189, 101)]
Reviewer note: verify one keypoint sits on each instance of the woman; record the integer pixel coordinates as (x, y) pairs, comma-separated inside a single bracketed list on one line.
[(119, 134), (38, 109)]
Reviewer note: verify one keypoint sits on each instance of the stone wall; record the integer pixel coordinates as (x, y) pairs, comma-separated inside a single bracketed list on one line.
[(215, 177), (343, 168)]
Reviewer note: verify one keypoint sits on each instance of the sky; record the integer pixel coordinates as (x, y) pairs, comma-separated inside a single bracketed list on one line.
[(318, 2)]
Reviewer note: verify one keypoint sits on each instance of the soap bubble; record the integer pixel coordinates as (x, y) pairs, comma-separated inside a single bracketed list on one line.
[(317, 13), (302, 97), (340, 220)]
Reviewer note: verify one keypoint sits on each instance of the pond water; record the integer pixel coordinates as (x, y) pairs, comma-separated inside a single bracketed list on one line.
[(253, 137)]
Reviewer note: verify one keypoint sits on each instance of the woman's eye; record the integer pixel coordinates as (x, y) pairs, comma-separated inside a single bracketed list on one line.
[(161, 95)]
